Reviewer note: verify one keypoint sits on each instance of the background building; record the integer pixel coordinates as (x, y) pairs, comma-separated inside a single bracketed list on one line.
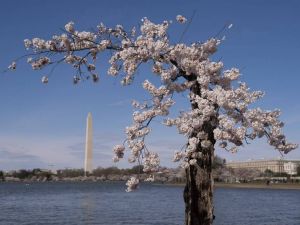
[(276, 166), (291, 167)]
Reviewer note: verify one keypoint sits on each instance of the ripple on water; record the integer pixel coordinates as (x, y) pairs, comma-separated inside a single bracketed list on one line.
[(108, 203)]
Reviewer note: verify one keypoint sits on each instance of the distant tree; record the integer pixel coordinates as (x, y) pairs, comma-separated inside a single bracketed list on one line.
[(2, 177), (245, 174), (22, 174), (111, 171), (45, 175), (298, 170), (70, 173), (36, 171), (136, 169), (98, 172), (218, 162), (268, 173), (219, 112)]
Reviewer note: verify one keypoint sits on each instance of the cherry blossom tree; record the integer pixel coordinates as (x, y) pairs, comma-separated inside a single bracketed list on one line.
[(220, 112)]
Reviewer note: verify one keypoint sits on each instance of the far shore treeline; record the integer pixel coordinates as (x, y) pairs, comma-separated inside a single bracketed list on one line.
[(69, 172), (221, 173)]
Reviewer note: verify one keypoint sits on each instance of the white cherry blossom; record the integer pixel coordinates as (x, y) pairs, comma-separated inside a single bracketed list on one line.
[(132, 184), (181, 19)]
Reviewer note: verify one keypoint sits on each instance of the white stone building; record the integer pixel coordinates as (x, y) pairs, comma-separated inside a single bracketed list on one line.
[(291, 167), (276, 166)]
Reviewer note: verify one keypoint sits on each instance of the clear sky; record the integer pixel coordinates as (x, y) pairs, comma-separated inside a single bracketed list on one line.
[(43, 125)]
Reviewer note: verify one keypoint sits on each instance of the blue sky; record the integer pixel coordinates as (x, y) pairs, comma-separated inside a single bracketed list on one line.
[(42, 125)]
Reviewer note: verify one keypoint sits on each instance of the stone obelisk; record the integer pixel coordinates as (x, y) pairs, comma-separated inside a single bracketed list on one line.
[(88, 167)]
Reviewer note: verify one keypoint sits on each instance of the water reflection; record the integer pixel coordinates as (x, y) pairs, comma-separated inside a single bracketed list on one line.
[(88, 208)]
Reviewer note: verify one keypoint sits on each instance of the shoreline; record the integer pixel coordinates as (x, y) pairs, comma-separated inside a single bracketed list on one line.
[(286, 186)]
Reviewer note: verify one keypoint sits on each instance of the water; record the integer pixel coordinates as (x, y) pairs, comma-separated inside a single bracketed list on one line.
[(109, 204)]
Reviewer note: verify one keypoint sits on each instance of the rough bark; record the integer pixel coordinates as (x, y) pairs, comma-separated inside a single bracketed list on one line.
[(198, 192)]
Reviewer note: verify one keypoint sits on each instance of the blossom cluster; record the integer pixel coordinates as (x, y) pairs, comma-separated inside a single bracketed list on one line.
[(151, 162), (40, 63), (159, 106), (132, 184), (119, 152), (181, 19)]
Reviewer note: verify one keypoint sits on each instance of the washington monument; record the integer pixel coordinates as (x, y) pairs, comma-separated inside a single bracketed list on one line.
[(88, 166)]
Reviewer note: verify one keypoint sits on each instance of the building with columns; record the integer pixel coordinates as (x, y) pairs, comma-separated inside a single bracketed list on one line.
[(276, 165)]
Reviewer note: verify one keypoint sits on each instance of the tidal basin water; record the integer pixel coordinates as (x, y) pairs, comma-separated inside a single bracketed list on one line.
[(109, 204)]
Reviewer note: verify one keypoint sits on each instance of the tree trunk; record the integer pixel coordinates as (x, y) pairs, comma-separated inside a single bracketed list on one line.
[(198, 192)]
